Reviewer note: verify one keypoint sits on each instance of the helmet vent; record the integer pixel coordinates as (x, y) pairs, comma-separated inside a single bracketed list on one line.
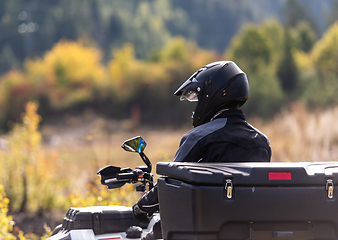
[(224, 92)]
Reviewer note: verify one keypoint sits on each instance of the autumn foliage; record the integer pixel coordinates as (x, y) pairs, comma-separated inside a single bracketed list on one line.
[(283, 65), (71, 76)]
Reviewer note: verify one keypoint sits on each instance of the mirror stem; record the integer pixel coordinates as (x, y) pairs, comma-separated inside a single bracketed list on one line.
[(146, 161)]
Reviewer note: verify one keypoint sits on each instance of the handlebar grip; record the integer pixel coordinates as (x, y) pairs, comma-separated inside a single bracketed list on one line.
[(126, 176)]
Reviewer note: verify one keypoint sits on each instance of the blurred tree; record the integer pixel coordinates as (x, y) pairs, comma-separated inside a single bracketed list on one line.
[(126, 72), (26, 170), (287, 70), (98, 32), (321, 91), (333, 16), (256, 52), (305, 36), (71, 76), (266, 95), (322, 85), (325, 52), (176, 50), (294, 12), (250, 49), (151, 18), (8, 60), (212, 24), (15, 91), (32, 27), (150, 85), (274, 32), (68, 75)]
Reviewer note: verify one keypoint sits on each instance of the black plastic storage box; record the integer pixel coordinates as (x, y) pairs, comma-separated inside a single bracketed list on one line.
[(257, 201), (101, 219)]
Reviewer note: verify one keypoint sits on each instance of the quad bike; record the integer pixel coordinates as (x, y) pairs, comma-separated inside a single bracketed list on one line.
[(217, 201)]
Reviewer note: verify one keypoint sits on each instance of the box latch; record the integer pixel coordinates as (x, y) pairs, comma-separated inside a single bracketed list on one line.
[(96, 223), (228, 188), (329, 188)]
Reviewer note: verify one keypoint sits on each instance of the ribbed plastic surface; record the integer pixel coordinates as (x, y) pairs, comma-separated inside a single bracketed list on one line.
[(102, 219)]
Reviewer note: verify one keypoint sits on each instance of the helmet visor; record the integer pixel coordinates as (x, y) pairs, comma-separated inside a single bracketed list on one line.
[(189, 95)]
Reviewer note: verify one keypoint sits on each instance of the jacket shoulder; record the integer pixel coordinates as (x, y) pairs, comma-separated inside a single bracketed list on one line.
[(190, 139)]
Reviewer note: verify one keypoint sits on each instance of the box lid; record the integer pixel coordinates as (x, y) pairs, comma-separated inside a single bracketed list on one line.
[(253, 173)]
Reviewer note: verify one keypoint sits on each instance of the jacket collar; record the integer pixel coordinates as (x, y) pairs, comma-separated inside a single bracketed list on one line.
[(229, 113)]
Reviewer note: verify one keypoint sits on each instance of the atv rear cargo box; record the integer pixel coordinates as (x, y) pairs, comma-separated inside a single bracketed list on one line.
[(256, 201)]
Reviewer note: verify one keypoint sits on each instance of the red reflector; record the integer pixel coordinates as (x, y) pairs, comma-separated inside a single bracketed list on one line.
[(279, 175), (109, 238)]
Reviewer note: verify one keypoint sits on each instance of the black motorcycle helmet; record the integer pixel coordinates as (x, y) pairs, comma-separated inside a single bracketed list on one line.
[(215, 86)]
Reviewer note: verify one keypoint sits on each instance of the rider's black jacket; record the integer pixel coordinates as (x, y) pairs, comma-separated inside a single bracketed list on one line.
[(227, 138)]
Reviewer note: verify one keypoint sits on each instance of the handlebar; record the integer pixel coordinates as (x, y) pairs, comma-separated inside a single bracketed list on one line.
[(138, 175), (114, 180), (127, 176)]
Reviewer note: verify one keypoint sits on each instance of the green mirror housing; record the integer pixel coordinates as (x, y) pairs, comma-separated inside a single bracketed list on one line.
[(136, 144)]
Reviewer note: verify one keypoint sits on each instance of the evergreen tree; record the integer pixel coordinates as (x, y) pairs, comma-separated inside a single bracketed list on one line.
[(294, 12), (306, 36), (287, 70)]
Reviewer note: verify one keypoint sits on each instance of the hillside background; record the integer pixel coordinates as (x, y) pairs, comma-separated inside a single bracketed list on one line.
[(79, 77), (124, 59)]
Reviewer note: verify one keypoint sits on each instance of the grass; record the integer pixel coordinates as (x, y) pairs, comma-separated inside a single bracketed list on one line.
[(301, 135), (85, 148)]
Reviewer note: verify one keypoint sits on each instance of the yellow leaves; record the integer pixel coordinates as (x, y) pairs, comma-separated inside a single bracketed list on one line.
[(127, 73), (122, 65), (31, 121), (97, 195), (6, 222), (325, 51), (71, 74), (180, 51), (303, 60), (89, 137), (71, 61), (176, 50), (26, 168), (6, 201), (67, 74), (26, 135), (11, 79)]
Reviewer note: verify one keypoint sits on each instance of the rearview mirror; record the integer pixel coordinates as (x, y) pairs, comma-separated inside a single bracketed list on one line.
[(136, 144)]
